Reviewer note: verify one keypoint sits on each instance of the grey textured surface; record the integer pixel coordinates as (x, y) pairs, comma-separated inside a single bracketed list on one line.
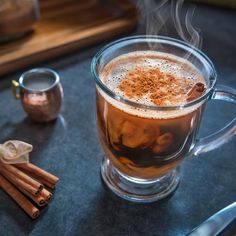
[(69, 147)]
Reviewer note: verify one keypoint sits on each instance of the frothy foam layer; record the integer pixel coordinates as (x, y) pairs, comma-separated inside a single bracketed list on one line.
[(150, 114), (150, 78)]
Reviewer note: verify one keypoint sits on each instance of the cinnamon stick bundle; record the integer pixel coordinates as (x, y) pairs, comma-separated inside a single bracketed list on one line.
[(21, 175), (26, 180), (22, 201), (19, 182), (38, 172)]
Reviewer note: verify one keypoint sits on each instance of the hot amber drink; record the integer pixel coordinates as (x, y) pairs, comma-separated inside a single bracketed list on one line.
[(151, 93), (141, 143)]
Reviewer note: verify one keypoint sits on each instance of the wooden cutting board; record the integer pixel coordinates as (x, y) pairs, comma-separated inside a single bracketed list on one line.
[(66, 25)]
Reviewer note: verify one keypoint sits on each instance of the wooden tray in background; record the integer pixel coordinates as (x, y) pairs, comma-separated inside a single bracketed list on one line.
[(66, 25)]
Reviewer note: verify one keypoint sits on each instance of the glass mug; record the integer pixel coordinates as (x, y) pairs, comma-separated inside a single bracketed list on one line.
[(131, 170)]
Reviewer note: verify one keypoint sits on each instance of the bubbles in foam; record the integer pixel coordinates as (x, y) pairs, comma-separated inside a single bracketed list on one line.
[(117, 69)]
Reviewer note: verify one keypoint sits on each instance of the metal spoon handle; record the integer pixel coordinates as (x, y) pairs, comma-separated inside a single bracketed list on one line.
[(216, 223)]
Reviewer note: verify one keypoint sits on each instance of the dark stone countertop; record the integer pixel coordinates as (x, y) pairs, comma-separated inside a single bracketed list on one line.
[(70, 148)]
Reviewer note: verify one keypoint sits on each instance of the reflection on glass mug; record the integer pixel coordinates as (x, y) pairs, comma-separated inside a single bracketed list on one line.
[(40, 92), (149, 108)]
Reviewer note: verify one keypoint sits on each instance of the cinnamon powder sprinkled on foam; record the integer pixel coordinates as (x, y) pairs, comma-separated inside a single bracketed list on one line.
[(162, 89)]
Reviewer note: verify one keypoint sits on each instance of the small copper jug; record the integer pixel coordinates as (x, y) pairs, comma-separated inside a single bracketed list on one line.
[(40, 92)]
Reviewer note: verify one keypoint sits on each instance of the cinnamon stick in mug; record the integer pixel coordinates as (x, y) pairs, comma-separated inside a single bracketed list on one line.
[(18, 182), (19, 198), (196, 91), (21, 175), (38, 172)]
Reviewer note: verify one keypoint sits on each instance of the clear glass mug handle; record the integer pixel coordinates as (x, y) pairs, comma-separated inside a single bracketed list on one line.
[(224, 135)]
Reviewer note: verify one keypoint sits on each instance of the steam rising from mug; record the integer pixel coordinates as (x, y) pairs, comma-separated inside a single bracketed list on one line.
[(157, 13)]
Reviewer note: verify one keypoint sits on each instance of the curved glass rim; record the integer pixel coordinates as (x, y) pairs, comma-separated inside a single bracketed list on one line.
[(174, 42), (38, 71)]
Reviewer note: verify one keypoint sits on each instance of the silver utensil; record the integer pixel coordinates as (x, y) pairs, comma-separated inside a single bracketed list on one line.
[(216, 223)]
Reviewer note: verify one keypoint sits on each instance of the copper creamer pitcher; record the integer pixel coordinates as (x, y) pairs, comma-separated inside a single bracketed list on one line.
[(40, 92)]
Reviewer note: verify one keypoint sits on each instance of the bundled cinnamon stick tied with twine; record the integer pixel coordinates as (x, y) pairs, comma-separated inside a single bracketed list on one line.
[(25, 182)]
